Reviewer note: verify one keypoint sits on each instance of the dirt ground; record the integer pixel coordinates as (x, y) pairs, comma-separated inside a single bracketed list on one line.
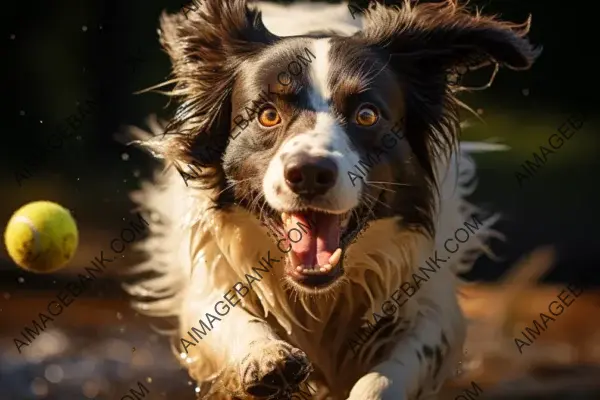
[(99, 348)]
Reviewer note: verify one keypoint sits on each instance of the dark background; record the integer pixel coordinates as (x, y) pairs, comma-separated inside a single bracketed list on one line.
[(62, 54)]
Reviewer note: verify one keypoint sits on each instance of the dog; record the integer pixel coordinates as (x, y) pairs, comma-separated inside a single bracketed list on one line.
[(313, 170)]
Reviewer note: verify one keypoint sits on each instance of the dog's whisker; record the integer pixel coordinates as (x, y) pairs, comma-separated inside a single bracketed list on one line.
[(381, 188), (371, 209), (232, 184), (389, 183), (264, 204), (376, 200), (254, 201)]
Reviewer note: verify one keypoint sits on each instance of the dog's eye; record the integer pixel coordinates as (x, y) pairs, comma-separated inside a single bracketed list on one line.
[(367, 116), (269, 117)]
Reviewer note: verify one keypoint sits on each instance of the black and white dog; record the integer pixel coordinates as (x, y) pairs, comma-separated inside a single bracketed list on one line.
[(314, 128)]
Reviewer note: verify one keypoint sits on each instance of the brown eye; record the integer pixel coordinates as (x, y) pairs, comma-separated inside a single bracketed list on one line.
[(367, 116), (269, 117)]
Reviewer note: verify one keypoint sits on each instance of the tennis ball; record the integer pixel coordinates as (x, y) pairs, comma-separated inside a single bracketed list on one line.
[(41, 236)]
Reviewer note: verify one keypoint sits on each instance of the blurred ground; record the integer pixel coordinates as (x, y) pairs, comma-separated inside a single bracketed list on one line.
[(98, 348)]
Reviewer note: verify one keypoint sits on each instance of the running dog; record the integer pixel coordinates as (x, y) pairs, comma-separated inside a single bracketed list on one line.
[(313, 173)]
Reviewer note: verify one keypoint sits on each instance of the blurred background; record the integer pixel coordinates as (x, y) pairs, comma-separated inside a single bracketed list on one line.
[(72, 70)]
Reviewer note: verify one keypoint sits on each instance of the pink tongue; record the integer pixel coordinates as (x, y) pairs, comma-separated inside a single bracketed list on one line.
[(316, 246)]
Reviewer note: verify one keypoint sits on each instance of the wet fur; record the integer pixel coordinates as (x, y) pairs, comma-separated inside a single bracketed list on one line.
[(207, 237)]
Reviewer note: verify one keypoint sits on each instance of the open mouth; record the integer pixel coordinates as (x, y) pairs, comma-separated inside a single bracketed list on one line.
[(314, 246)]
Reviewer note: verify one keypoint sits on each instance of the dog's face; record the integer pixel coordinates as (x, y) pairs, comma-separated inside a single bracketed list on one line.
[(309, 146), (320, 134)]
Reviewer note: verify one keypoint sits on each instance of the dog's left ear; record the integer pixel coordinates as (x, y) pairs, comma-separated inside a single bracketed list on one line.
[(445, 34), (423, 44)]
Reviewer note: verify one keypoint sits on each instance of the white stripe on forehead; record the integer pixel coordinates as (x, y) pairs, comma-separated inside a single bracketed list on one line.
[(320, 93)]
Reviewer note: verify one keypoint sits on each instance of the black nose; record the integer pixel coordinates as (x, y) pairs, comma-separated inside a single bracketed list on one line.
[(310, 176)]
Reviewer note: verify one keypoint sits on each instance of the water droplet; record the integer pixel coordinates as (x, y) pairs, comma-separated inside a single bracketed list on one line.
[(122, 329), (189, 360), (182, 355), (22, 113), (124, 180), (124, 156), (78, 179), (84, 28), (21, 280), (78, 137), (119, 316), (54, 373), (149, 380), (480, 111), (90, 389), (197, 390), (190, 383), (136, 173), (525, 92), (39, 387), (13, 36), (7, 296), (41, 122)]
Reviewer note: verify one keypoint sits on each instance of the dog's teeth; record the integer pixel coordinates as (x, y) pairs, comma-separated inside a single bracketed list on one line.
[(299, 268), (285, 218), (335, 257)]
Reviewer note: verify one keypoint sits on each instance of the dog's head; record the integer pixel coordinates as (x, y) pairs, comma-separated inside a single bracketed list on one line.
[(319, 134)]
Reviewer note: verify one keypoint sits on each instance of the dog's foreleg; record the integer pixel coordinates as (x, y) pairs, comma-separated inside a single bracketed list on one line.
[(253, 362), (421, 361)]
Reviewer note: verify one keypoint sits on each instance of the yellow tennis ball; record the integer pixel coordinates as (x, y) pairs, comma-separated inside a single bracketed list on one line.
[(41, 236)]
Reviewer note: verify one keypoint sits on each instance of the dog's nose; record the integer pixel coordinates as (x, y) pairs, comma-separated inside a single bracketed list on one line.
[(310, 176)]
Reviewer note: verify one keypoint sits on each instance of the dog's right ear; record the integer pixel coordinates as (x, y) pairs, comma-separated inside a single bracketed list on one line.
[(211, 31), (207, 43), (206, 46)]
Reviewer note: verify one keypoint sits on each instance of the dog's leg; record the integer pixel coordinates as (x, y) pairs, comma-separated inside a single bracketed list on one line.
[(420, 362), (256, 363), (266, 366)]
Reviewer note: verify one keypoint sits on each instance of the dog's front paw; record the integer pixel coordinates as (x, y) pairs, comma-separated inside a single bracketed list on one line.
[(376, 386), (273, 369)]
